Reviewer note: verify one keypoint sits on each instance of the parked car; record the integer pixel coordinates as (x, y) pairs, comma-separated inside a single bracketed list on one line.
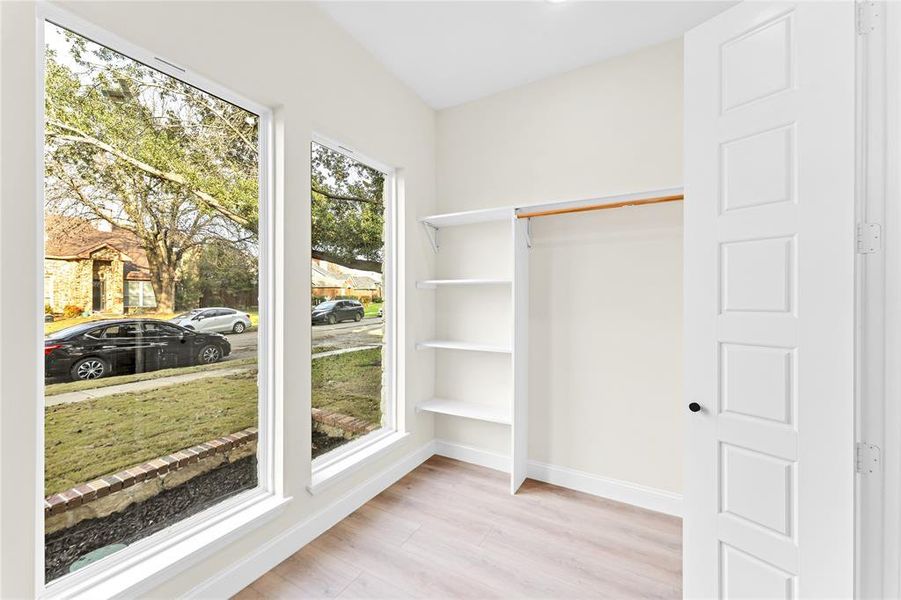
[(102, 348), (215, 319), (335, 311)]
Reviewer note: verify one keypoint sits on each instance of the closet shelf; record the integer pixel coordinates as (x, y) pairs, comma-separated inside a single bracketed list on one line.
[(470, 410), (431, 284), (469, 346), (468, 217)]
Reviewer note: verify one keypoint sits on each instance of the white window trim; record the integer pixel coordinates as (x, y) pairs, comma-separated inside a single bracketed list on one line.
[(162, 555), (344, 460), (142, 296)]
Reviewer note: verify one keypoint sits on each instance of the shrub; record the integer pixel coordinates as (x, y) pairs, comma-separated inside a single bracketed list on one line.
[(48, 310), (71, 311), (378, 299)]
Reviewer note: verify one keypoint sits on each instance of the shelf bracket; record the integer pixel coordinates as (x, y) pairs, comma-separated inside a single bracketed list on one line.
[(432, 233), (529, 232)]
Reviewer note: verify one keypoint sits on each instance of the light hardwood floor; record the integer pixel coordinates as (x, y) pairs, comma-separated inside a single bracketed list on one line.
[(451, 530)]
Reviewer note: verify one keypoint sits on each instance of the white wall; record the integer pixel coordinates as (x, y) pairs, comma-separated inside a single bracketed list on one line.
[(606, 288), (285, 55)]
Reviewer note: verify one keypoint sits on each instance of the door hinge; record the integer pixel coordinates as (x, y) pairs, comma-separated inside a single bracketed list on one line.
[(869, 238), (868, 458), (867, 15)]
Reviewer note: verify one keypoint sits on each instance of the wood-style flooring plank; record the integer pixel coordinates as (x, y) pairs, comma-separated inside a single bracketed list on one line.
[(452, 530)]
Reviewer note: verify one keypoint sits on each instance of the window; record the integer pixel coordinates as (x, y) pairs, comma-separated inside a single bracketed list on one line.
[(193, 178), (352, 376), (48, 294), (139, 294), (162, 329)]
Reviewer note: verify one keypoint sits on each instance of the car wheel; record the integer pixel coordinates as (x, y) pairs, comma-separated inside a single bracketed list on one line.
[(332, 320), (209, 354), (358, 317), (239, 327), (90, 368)]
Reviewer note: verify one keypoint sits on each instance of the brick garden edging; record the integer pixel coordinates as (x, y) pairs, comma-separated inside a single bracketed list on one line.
[(108, 484), (341, 425)]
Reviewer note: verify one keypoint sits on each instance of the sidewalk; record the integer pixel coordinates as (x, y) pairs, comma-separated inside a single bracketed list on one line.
[(139, 386)]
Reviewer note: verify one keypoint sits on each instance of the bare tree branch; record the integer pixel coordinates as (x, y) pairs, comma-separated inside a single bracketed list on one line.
[(175, 178), (332, 196)]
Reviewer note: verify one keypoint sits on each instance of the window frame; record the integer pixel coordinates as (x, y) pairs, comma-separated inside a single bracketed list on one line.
[(335, 464), (162, 555), (142, 294)]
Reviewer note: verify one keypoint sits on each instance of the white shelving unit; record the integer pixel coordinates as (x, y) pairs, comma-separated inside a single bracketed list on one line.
[(513, 413)]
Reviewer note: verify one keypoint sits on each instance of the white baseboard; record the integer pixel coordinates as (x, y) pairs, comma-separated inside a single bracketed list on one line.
[(472, 455), (613, 489), (240, 575)]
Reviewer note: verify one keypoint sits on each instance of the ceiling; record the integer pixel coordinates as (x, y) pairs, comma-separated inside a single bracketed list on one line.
[(453, 52)]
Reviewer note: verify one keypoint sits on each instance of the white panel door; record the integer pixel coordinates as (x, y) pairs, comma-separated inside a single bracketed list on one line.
[(769, 292)]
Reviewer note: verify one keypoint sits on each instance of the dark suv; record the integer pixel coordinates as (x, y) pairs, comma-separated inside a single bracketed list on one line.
[(101, 348), (335, 311)]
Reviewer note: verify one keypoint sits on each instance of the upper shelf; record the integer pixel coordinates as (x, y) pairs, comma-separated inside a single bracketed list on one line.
[(431, 284), (467, 346), (468, 217)]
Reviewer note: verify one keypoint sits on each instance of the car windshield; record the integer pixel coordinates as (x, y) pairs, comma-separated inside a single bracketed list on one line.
[(186, 315), (325, 305)]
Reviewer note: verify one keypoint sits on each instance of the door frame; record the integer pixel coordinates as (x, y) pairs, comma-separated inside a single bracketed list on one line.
[(878, 417)]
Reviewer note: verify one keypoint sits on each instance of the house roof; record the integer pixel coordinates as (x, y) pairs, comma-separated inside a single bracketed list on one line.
[(74, 238), (361, 282), (321, 278)]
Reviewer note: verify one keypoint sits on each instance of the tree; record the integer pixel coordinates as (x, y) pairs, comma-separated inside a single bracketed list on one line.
[(347, 211), (217, 274), (141, 150)]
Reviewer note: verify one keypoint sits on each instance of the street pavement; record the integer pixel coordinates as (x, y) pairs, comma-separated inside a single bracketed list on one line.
[(331, 339)]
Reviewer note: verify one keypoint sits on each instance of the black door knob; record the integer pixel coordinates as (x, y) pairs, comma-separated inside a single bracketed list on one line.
[(694, 407)]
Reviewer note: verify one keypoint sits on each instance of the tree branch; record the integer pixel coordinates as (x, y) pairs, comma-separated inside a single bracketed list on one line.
[(175, 178), (355, 263), (331, 196)]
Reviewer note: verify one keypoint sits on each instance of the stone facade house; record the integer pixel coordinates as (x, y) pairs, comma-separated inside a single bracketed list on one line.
[(96, 267)]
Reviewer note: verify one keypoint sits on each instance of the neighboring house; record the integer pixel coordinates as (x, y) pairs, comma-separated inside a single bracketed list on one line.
[(330, 280), (99, 268), (363, 287), (324, 282)]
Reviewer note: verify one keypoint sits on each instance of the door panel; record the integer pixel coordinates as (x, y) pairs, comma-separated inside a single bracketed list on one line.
[(769, 290)]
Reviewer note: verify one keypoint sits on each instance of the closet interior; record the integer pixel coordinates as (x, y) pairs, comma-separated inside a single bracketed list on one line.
[(481, 340)]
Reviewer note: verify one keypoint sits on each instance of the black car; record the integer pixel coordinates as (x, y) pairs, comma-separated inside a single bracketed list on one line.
[(101, 348), (335, 311)]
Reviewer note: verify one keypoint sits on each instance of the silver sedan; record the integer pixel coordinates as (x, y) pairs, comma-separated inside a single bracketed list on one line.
[(214, 319)]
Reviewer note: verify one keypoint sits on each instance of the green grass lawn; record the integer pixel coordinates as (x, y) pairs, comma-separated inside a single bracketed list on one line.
[(350, 383), (371, 309), (85, 440), (63, 323), (77, 386)]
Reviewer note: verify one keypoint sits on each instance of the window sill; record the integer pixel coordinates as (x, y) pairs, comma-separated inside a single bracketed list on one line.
[(329, 474), (154, 560)]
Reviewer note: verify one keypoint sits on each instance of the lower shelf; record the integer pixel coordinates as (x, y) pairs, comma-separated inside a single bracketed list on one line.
[(470, 410)]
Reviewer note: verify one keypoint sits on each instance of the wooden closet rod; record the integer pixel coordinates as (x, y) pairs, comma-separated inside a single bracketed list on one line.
[(578, 209)]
